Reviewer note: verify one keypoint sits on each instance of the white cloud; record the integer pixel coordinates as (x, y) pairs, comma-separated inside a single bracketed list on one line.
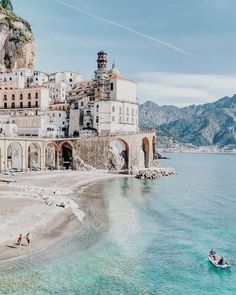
[(183, 89)]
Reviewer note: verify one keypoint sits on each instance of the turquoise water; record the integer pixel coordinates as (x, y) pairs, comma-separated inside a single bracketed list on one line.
[(143, 237)]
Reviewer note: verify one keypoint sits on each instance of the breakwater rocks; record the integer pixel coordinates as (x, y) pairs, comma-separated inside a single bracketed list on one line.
[(53, 197), (154, 173)]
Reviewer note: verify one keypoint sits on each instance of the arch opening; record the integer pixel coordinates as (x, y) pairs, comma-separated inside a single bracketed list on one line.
[(118, 155), (145, 147), (34, 156), (15, 157), (50, 156), (66, 158)]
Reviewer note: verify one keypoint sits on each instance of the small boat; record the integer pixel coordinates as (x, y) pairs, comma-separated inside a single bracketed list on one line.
[(214, 260)]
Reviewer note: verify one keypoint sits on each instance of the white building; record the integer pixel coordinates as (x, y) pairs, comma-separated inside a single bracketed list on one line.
[(62, 82), (38, 78), (107, 104)]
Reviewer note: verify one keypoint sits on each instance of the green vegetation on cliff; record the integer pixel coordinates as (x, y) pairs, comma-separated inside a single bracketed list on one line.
[(6, 4), (11, 18)]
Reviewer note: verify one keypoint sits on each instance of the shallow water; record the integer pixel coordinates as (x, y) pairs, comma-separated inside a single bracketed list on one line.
[(143, 237)]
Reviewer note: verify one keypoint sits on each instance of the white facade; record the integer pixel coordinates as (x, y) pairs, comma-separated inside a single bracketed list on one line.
[(61, 83), (58, 91), (70, 78), (55, 124), (37, 79), (8, 130), (43, 124), (115, 117), (123, 89)]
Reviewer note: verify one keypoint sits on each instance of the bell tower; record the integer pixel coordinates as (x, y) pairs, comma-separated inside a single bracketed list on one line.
[(101, 81), (101, 72)]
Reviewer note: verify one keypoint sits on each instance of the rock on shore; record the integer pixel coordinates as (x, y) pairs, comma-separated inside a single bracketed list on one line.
[(53, 197), (154, 173)]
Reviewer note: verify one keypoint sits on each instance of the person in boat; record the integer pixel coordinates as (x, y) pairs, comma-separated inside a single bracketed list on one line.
[(221, 261), (212, 253)]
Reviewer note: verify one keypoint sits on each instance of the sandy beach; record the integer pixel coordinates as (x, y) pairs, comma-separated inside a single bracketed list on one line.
[(41, 203)]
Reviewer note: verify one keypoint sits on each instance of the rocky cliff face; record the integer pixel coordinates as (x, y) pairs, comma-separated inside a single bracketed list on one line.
[(212, 124), (17, 44)]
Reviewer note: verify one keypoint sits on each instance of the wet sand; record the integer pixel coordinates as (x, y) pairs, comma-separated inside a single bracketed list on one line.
[(21, 211)]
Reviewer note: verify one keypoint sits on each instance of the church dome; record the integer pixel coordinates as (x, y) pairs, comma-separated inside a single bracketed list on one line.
[(114, 70)]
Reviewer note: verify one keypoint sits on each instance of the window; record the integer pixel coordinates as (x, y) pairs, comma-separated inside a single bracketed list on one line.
[(112, 86), (36, 104), (113, 118), (59, 115), (5, 97), (113, 109), (36, 95), (29, 104), (97, 119), (120, 110), (21, 96), (5, 105), (13, 96), (12, 105), (81, 104), (29, 95), (21, 104)]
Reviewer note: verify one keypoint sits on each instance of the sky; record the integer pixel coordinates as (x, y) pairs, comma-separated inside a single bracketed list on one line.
[(179, 52)]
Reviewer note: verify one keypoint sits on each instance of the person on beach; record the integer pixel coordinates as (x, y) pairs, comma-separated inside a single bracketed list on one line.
[(28, 238), (19, 241)]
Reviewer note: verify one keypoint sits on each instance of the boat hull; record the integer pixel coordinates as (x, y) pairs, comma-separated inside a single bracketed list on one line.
[(214, 262)]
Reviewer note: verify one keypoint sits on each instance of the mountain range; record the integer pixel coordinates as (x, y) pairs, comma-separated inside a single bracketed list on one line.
[(211, 124)]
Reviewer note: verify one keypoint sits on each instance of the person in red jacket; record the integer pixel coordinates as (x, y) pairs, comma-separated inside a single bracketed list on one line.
[(19, 241)]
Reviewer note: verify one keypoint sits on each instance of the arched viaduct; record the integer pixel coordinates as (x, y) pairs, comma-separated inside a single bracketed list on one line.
[(24, 154)]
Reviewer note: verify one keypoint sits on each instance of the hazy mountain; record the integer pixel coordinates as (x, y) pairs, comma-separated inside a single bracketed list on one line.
[(202, 125)]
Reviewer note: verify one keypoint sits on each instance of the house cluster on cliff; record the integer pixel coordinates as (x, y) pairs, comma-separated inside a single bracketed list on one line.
[(61, 120)]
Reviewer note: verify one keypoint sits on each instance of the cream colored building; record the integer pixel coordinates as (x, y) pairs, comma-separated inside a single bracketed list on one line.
[(29, 109)]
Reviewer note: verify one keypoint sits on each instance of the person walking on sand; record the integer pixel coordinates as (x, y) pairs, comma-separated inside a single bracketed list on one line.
[(19, 241), (28, 238)]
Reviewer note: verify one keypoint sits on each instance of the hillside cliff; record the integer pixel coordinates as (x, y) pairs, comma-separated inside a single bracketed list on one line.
[(17, 44)]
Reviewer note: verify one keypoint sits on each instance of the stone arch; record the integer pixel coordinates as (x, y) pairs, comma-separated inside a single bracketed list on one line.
[(51, 156), (118, 155), (66, 155), (145, 146), (34, 156), (15, 156)]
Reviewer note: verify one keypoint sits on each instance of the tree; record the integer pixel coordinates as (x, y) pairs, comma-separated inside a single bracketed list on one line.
[(6, 4)]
